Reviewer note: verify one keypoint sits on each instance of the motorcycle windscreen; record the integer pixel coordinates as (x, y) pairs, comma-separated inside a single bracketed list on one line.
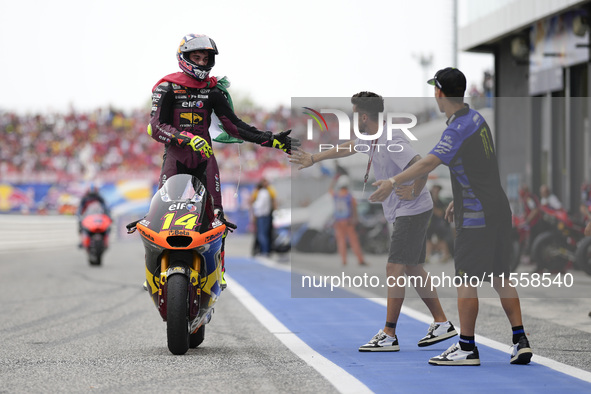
[(181, 194)]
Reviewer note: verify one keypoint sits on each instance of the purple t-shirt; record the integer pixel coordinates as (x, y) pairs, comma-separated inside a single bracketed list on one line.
[(390, 158)]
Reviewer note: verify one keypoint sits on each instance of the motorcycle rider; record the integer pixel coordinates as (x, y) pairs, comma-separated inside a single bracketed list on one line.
[(91, 195), (182, 107)]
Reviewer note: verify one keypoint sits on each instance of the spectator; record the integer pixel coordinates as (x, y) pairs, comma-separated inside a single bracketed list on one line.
[(532, 213), (345, 219), (263, 202), (548, 199)]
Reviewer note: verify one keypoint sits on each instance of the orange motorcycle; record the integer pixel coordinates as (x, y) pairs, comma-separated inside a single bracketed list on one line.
[(183, 240)]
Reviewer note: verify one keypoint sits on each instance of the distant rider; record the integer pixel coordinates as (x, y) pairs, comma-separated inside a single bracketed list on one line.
[(92, 195)]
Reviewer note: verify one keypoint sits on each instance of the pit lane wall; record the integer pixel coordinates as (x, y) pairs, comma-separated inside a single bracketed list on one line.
[(44, 214)]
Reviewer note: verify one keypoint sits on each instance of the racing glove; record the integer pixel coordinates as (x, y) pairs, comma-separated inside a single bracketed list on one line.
[(198, 144), (281, 141)]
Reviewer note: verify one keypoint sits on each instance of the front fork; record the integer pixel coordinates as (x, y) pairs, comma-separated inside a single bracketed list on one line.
[(167, 270)]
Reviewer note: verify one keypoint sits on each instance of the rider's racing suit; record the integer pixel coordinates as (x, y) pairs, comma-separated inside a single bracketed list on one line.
[(181, 109)]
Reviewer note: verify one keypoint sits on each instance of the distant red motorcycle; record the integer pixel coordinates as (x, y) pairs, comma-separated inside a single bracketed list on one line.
[(555, 249), (95, 224)]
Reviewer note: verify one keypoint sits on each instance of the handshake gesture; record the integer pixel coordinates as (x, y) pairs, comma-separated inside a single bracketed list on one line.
[(281, 141)]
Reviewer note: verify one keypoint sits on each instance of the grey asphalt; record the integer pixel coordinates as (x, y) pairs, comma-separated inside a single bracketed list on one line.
[(67, 327)]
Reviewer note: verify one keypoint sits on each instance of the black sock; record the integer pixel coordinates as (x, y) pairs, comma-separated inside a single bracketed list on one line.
[(467, 343), (518, 332)]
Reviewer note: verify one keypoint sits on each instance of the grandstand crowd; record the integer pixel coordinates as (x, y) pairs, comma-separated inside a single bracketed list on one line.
[(108, 145)]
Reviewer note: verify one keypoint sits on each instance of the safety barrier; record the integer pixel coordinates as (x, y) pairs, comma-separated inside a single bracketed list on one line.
[(21, 232)]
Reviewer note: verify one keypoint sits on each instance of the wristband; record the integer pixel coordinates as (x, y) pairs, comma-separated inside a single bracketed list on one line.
[(312, 158), (393, 182)]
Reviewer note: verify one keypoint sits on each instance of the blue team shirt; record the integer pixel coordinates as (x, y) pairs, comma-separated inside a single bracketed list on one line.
[(343, 206), (466, 147)]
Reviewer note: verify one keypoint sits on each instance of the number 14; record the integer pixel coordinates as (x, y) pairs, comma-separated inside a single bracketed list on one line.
[(188, 221)]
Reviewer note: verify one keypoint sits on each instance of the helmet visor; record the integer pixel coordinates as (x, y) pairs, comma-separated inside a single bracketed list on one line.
[(199, 43)]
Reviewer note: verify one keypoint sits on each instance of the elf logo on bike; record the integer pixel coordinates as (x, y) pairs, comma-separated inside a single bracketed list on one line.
[(177, 206)]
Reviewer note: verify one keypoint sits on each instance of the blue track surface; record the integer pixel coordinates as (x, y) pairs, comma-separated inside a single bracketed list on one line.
[(336, 327)]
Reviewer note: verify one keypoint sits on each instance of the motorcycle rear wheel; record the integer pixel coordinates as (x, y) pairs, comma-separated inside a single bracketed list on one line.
[(177, 312), (546, 251), (196, 339)]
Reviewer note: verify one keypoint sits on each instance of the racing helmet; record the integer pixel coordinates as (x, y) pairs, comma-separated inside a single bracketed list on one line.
[(196, 42)]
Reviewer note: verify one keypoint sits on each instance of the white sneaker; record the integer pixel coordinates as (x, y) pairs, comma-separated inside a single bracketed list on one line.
[(381, 342), (437, 333), (521, 352), (456, 356)]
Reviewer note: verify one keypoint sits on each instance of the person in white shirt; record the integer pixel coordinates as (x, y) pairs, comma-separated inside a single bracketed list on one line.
[(549, 199), (409, 209)]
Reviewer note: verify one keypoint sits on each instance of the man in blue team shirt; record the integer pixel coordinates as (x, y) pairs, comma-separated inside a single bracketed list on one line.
[(481, 211)]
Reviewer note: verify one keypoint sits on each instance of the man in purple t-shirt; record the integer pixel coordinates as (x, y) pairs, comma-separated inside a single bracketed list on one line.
[(481, 211), (409, 212)]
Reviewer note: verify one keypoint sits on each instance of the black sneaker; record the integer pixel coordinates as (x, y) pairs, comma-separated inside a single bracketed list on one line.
[(437, 333), (521, 352), (456, 356), (381, 342)]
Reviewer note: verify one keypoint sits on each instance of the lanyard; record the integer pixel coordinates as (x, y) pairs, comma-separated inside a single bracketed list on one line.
[(365, 178)]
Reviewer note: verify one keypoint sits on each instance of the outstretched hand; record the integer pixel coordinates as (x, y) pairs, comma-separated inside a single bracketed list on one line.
[(385, 188), (284, 142), (302, 158)]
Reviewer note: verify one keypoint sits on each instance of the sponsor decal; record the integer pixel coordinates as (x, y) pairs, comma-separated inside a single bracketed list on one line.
[(146, 235), (192, 117), (179, 232), (212, 237), (192, 104)]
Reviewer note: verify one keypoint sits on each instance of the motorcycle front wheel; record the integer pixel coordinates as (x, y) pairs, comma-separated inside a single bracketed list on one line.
[(177, 312)]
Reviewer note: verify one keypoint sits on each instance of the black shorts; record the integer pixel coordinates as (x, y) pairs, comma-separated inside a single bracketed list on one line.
[(482, 251), (408, 241)]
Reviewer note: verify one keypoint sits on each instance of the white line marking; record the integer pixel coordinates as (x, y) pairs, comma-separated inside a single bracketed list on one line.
[(337, 376), (547, 362), (422, 317)]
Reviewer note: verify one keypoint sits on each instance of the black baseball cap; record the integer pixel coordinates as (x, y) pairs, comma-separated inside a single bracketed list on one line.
[(451, 81)]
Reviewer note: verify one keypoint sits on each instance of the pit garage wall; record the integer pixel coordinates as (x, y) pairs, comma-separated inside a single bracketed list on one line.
[(513, 121), (542, 140)]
